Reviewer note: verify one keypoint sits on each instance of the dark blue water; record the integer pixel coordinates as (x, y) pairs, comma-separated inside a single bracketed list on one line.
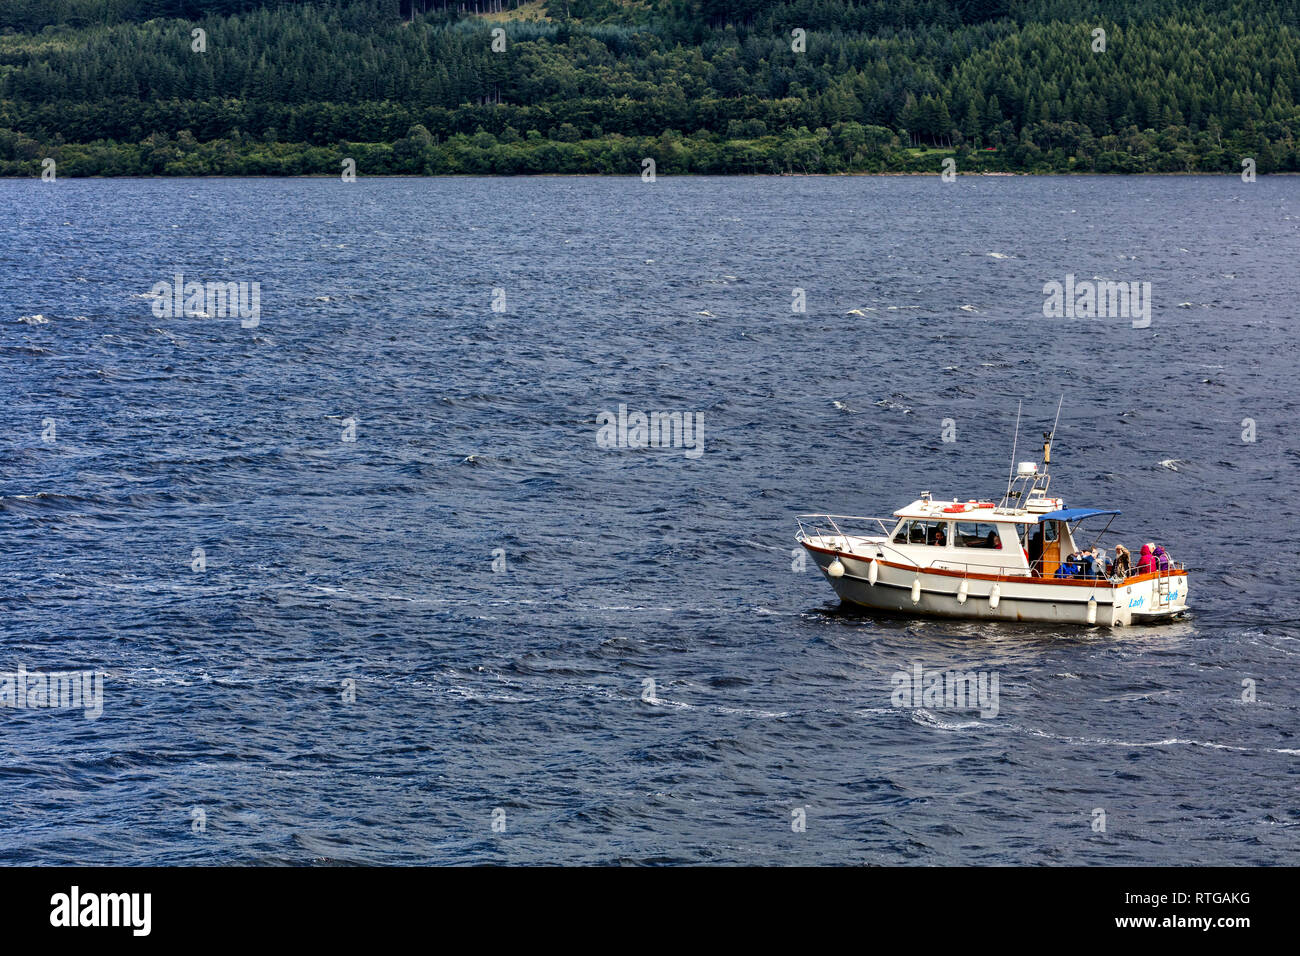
[(371, 561)]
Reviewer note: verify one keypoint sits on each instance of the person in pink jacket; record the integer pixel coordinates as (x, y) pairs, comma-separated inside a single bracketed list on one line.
[(1147, 563)]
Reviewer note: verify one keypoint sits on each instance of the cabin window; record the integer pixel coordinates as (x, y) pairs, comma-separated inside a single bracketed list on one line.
[(933, 533), (936, 533), (1039, 534), (977, 534), (910, 532)]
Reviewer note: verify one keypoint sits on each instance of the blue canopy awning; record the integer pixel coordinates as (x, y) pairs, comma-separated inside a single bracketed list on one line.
[(1073, 514)]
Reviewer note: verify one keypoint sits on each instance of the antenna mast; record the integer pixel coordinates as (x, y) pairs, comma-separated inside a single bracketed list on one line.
[(1048, 436), (1011, 474)]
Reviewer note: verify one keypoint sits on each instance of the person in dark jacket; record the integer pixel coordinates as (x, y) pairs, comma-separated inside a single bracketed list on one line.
[(1036, 550), (1091, 566)]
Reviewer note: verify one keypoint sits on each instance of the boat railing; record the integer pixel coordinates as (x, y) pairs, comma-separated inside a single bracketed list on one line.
[(828, 529), (1037, 569), (829, 526)]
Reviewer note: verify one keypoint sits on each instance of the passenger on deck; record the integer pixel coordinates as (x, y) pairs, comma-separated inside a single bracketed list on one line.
[(1161, 556), (1089, 566), (1068, 568), (1147, 562), (1123, 563), (1077, 561)]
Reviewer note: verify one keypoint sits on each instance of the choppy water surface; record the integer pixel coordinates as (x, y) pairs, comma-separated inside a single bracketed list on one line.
[(372, 560)]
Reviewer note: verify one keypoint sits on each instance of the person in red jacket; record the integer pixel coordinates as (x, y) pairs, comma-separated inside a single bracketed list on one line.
[(1147, 563)]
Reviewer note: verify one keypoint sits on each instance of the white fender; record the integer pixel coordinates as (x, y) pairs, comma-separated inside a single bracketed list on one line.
[(1092, 609), (963, 591), (995, 596), (836, 568), (916, 589), (873, 572)]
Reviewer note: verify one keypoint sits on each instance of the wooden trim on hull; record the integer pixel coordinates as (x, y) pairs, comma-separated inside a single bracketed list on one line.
[(952, 594), (892, 598), (1095, 584), (1005, 614)]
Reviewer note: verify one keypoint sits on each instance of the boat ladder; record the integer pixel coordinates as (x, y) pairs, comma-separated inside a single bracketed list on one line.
[(1162, 588)]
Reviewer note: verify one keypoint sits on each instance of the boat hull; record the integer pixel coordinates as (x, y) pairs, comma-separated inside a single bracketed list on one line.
[(1018, 598)]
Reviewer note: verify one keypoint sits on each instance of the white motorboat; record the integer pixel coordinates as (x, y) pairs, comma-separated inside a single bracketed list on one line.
[(1013, 560)]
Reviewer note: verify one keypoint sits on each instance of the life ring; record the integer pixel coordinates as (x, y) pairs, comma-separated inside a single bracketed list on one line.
[(955, 509)]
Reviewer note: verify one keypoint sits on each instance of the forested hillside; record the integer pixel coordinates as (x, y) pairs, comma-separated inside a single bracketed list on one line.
[(126, 87)]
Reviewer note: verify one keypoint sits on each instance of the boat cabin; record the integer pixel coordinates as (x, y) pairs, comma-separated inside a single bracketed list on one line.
[(983, 537)]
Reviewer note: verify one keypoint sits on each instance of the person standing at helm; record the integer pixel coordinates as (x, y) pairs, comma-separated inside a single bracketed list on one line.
[(1036, 550)]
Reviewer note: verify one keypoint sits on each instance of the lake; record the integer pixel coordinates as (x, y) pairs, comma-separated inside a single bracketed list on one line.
[(365, 584)]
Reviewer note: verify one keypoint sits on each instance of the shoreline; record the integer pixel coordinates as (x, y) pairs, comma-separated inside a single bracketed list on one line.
[(636, 175)]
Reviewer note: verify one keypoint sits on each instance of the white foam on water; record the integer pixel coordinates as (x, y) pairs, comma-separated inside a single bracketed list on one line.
[(1165, 742), (927, 718)]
